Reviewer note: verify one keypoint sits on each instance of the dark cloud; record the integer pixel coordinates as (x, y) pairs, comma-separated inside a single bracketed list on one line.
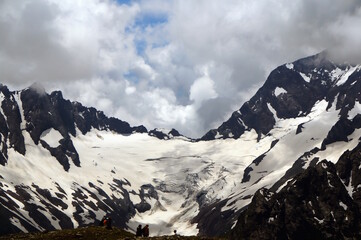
[(215, 111), (31, 48)]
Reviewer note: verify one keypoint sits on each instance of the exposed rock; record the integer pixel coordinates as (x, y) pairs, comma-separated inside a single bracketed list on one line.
[(164, 133), (212, 221), (339, 132), (315, 205)]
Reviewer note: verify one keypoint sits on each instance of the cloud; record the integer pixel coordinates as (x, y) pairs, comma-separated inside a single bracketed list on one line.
[(202, 89), (49, 41), (347, 38), (183, 64)]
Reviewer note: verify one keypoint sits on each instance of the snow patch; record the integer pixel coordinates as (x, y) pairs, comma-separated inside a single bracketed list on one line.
[(51, 137), (336, 74), (218, 135), (279, 91), (346, 75), (273, 111), (289, 66), (329, 184), (16, 222), (320, 221), (283, 185), (355, 110), (344, 206), (305, 77)]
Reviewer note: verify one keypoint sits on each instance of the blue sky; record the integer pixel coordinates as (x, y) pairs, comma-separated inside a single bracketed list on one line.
[(124, 1)]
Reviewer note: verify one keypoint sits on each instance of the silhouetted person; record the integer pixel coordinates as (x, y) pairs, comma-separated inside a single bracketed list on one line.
[(108, 224), (146, 231), (101, 223), (139, 232)]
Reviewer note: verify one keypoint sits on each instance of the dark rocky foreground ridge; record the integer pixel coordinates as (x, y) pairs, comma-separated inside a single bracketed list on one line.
[(92, 233)]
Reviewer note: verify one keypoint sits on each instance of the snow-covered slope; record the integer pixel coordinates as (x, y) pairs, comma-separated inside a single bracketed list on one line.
[(64, 165)]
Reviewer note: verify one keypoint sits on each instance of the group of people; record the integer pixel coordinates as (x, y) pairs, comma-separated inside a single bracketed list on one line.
[(142, 232)]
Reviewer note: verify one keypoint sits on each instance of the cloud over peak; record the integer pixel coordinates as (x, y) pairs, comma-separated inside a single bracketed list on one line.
[(182, 64)]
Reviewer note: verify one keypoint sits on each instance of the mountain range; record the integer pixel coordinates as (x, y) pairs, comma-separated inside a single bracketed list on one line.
[(284, 166)]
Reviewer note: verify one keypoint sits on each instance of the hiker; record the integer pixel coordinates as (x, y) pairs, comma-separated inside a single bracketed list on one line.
[(139, 232), (101, 223), (146, 231), (175, 232), (108, 223)]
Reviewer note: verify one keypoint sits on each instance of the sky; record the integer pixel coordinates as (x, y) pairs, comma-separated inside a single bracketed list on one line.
[(183, 64)]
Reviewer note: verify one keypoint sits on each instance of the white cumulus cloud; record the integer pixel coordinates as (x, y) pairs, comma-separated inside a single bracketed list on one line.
[(183, 64)]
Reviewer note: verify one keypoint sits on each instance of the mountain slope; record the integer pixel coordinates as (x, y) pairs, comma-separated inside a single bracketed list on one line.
[(320, 203), (64, 165), (291, 91)]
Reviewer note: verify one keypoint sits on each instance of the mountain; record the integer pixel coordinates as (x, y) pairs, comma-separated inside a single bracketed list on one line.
[(316, 204), (291, 91), (64, 165)]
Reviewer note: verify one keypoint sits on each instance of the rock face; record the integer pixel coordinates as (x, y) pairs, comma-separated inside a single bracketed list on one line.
[(41, 112), (314, 205), (164, 133), (292, 90)]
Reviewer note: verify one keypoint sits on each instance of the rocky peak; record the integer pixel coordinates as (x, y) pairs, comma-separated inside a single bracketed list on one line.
[(291, 91), (165, 134), (35, 112)]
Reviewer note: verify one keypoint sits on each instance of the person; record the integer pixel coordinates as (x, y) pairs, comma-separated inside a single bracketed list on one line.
[(101, 223), (139, 232), (146, 231), (175, 232), (108, 223)]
